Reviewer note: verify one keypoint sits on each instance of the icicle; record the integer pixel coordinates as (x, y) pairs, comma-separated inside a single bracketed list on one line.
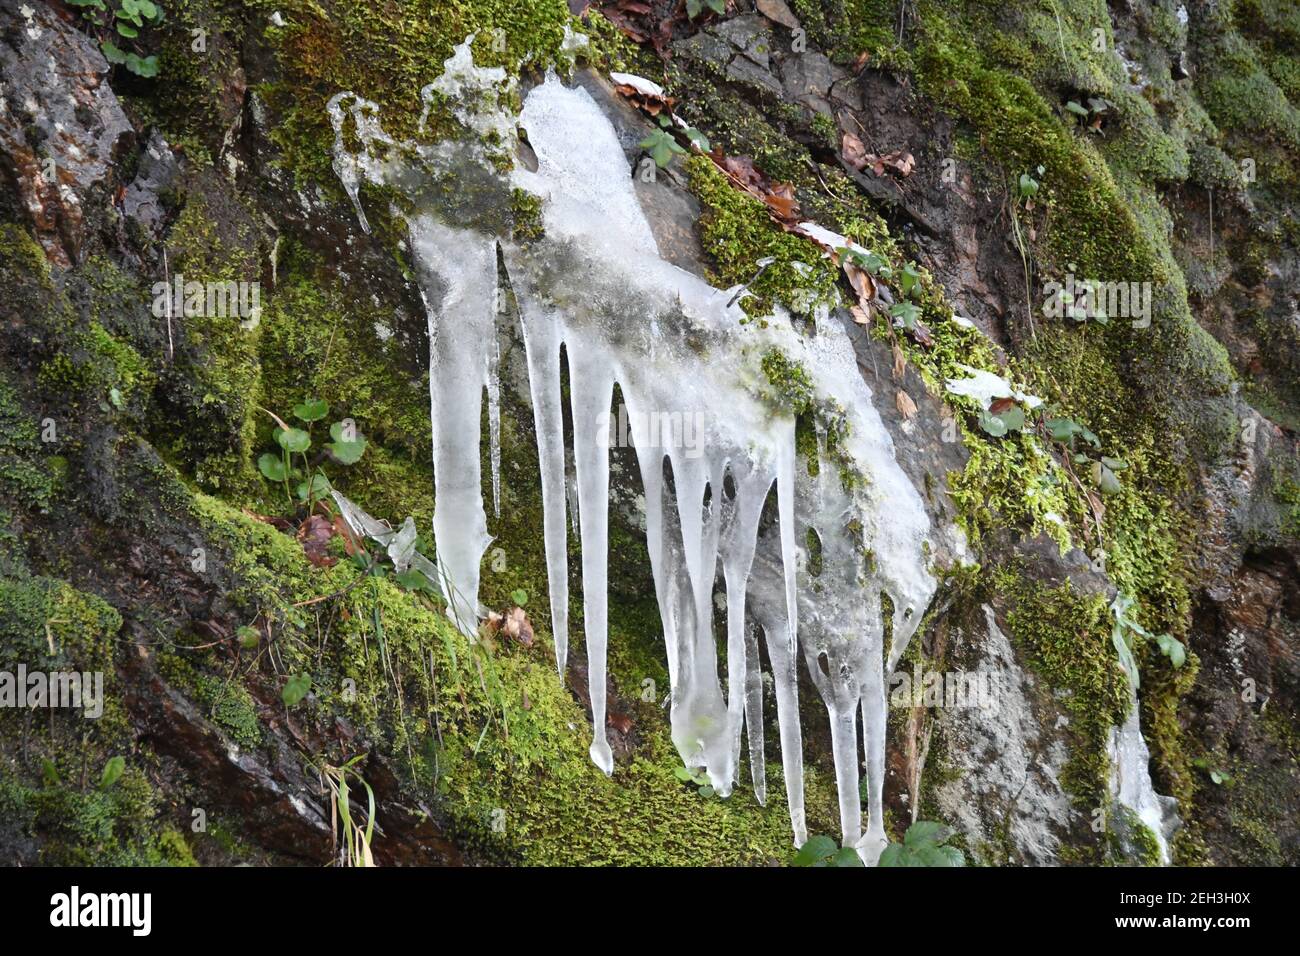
[(462, 330), (591, 388)]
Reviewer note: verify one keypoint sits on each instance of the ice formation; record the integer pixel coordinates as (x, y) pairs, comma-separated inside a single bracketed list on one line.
[(1130, 781), (596, 287)]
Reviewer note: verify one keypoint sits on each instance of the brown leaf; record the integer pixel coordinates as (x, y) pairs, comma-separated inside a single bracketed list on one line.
[(1000, 405), (906, 407), (860, 315), (517, 626), (855, 154), (920, 333), (314, 535), (526, 703), (780, 200), (900, 161), (900, 363), (861, 282)]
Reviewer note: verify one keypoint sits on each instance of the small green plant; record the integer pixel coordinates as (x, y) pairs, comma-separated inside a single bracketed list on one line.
[(697, 778), (112, 21), (346, 448), (1127, 631), (295, 689), (357, 839), (1027, 185), (113, 771), (923, 845), (823, 851), (662, 147), (1219, 777)]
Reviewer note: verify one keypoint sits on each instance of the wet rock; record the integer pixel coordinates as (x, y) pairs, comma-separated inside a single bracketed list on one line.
[(1006, 796), (157, 170), (61, 128), (808, 81)]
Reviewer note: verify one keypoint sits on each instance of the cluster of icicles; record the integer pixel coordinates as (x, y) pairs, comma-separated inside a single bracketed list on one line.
[(596, 287)]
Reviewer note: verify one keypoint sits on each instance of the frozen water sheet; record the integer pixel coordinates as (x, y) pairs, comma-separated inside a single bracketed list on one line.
[(596, 286)]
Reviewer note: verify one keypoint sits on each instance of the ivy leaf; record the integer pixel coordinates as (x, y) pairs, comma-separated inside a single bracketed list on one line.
[(519, 596), (992, 425), (311, 410), (346, 450), (698, 139), (905, 314), (111, 52), (1076, 108), (319, 488), (271, 466), (113, 771), (1103, 476), (292, 440), (295, 689)]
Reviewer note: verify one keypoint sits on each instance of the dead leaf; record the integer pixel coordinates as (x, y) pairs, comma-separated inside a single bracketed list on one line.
[(314, 535), (860, 315), (920, 333), (344, 531), (1000, 405), (516, 625), (861, 282), (855, 154), (900, 363), (778, 12), (900, 162), (282, 523), (526, 703), (906, 407)]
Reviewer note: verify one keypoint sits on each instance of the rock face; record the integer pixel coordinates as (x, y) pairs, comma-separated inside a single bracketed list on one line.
[(61, 129), (138, 536)]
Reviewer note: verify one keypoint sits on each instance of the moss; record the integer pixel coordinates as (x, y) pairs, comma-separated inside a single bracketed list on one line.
[(387, 55), (26, 473), (208, 424), (1129, 840), (526, 216), (738, 234), (223, 698)]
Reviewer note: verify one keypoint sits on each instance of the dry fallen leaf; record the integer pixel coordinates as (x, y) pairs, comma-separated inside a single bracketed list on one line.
[(900, 364), (517, 626), (860, 315), (1000, 405), (861, 282), (314, 535), (906, 407), (855, 154)]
